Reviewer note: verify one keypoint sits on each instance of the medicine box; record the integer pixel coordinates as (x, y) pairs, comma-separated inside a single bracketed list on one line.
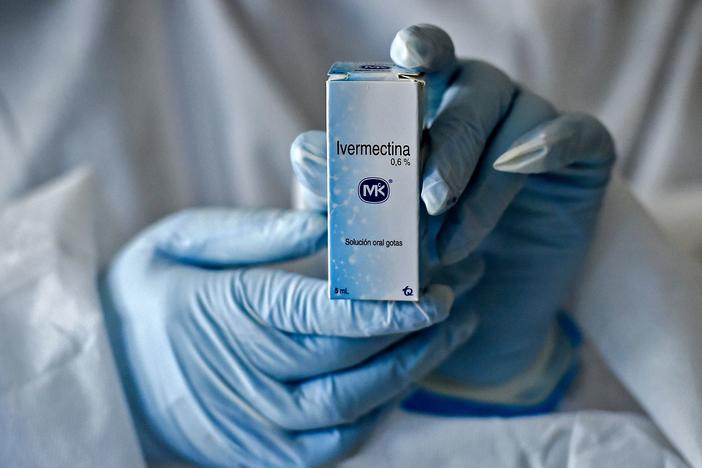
[(374, 125)]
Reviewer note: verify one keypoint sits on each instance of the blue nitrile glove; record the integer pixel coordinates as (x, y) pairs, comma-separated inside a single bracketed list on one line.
[(511, 186), (226, 362)]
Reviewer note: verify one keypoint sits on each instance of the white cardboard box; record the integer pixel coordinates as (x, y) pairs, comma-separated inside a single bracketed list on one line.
[(374, 125)]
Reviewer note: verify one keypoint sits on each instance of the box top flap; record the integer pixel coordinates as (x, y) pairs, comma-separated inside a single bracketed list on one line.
[(371, 71)]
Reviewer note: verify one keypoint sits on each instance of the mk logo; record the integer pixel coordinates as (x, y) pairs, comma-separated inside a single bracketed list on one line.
[(373, 190)]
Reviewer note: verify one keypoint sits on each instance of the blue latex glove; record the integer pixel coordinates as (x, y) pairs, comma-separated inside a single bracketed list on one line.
[(509, 184), (229, 363)]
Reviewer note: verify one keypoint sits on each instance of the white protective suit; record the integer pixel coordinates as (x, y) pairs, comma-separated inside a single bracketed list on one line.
[(165, 105)]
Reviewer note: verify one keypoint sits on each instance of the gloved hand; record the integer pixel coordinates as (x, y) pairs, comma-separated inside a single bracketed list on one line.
[(229, 363), (509, 184)]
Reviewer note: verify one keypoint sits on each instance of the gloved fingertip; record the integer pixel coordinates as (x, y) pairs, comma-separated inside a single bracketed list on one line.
[(423, 47), (548, 147), (308, 156), (390, 317), (437, 195), (526, 158), (311, 141)]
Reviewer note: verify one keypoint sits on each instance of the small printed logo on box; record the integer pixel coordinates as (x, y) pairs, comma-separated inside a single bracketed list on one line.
[(375, 67), (374, 190)]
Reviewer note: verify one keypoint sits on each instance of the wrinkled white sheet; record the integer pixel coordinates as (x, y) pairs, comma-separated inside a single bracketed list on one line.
[(61, 403), (587, 439)]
